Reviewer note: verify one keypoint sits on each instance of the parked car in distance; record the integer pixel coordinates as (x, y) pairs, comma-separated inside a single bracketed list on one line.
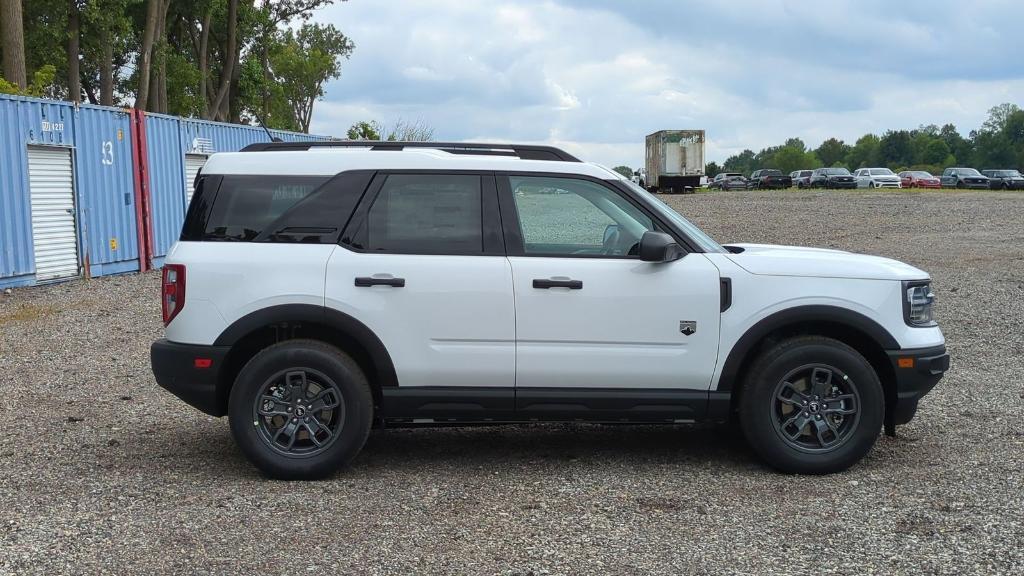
[(769, 179), (918, 179), (832, 178), (319, 289), (1004, 179), (964, 178), (801, 178), (728, 181), (876, 178)]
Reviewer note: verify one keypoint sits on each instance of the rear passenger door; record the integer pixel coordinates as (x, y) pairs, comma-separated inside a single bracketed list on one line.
[(422, 265)]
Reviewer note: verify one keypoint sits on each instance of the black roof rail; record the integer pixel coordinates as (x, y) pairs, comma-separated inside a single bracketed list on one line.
[(524, 151)]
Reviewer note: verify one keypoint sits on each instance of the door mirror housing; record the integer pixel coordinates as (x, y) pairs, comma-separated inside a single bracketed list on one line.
[(659, 247)]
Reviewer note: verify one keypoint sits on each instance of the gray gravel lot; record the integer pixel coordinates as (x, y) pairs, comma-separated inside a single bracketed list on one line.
[(103, 472)]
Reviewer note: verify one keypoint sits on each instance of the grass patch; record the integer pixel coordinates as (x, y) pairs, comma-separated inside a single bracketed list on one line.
[(27, 313)]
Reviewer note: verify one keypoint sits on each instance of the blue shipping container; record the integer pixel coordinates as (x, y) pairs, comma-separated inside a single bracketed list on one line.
[(97, 142)]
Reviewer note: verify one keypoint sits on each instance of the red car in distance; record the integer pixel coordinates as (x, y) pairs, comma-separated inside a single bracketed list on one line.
[(919, 179)]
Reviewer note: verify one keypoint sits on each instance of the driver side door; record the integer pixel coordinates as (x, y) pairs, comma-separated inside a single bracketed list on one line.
[(591, 316)]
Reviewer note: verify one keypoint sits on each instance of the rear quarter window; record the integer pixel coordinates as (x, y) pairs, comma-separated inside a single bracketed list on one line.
[(272, 208)]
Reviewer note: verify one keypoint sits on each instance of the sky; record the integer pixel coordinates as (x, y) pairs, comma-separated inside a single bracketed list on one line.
[(595, 77)]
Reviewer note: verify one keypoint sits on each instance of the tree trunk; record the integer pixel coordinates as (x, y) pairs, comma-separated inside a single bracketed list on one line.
[(107, 71), (13, 33), (229, 60), (74, 78), (204, 65), (160, 60), (146, 53), (234, 93)]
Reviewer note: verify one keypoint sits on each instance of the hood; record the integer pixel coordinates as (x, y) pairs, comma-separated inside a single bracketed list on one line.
[(770, 260)]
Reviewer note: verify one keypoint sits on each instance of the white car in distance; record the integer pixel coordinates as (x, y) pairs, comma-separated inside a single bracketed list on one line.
[(877, 178)]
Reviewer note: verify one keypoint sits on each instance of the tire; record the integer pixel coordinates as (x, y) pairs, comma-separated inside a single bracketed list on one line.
[(326, 375), (960, 185), (763, 415)]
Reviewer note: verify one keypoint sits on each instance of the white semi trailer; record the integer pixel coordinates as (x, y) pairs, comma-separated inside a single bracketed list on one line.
[(674, 162)]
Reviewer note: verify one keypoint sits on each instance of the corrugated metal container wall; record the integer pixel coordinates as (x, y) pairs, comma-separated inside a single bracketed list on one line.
[(24, 122), (169, 139), (165, 160), (106, 189)]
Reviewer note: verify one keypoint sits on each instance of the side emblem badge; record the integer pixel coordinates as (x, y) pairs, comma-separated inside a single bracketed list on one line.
[(688, 327)]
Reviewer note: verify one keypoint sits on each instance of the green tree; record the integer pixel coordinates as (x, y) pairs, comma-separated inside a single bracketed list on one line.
[(363, 130), (997, 117), (302, 62), (624, 170), (936, 152), (832, 151), (742, 163), (864, 152), (894, 149), (712, 169)]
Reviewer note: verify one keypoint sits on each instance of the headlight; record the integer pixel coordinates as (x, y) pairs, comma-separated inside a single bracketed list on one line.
[(917, 306)]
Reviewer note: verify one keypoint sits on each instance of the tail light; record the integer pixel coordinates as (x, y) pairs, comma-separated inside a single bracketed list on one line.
[(172, 291)]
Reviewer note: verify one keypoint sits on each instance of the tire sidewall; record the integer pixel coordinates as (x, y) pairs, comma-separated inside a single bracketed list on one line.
[(757, 403), (299, 354)]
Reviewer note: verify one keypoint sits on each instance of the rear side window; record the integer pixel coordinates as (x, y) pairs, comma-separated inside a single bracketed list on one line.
[(243, 206), (425, 214)]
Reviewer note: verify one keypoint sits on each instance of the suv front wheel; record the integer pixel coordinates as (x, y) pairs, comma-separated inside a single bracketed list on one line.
[(300, 409), (811, 405)]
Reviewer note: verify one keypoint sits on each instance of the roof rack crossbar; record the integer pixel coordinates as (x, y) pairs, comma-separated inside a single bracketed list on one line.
[(523, 151)]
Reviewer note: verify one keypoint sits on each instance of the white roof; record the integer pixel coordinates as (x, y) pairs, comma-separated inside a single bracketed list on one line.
[(330, 161)]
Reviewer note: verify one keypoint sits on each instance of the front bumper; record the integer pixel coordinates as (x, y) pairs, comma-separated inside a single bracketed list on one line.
[(885, 184), (838, 184), (182, 370), (917, 371), (1009, 185)]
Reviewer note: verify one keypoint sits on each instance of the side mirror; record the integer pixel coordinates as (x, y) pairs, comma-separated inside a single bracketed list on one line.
[(659, 247)]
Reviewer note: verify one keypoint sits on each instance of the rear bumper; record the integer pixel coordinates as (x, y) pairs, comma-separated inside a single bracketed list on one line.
[(921, 370), (175, 368)]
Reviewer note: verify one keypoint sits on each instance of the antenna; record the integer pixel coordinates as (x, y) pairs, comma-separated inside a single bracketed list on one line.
[(267, 130)]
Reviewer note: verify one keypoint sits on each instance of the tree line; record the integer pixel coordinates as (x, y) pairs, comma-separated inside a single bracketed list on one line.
[(256, 60), (998, 143)]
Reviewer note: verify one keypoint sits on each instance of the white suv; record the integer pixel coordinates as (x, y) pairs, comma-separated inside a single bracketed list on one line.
[(319, 289), (877, 178)]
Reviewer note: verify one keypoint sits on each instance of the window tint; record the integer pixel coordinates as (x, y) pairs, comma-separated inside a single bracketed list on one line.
[(426, 214), (572, 217), (244, 205)]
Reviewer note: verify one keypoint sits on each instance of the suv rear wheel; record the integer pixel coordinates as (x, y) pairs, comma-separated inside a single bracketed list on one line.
[(300, 409), (811, 405)]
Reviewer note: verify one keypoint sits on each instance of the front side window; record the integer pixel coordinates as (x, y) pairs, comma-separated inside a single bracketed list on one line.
[(574, 217), (425, 214)]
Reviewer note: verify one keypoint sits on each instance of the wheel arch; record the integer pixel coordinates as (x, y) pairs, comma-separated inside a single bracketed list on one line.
[(856, 330), (257, 330)]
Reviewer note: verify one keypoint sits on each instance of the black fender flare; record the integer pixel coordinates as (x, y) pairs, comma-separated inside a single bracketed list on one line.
[(793, 317), (320, 315)]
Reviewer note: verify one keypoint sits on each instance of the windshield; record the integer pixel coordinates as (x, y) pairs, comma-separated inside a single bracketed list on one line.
[(771, 172), (922, 175), (1006, 173), (837, 171), (968, 172), (705, 242), (881, 172)]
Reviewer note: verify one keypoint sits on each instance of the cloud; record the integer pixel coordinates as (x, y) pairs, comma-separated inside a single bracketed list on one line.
[(596, 76)]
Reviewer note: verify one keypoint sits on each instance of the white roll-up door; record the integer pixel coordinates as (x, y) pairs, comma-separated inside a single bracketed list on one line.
[(52, 189), (193, 163)]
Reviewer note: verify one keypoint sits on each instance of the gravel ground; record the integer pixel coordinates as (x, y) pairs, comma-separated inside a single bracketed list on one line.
[(103, 472)]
